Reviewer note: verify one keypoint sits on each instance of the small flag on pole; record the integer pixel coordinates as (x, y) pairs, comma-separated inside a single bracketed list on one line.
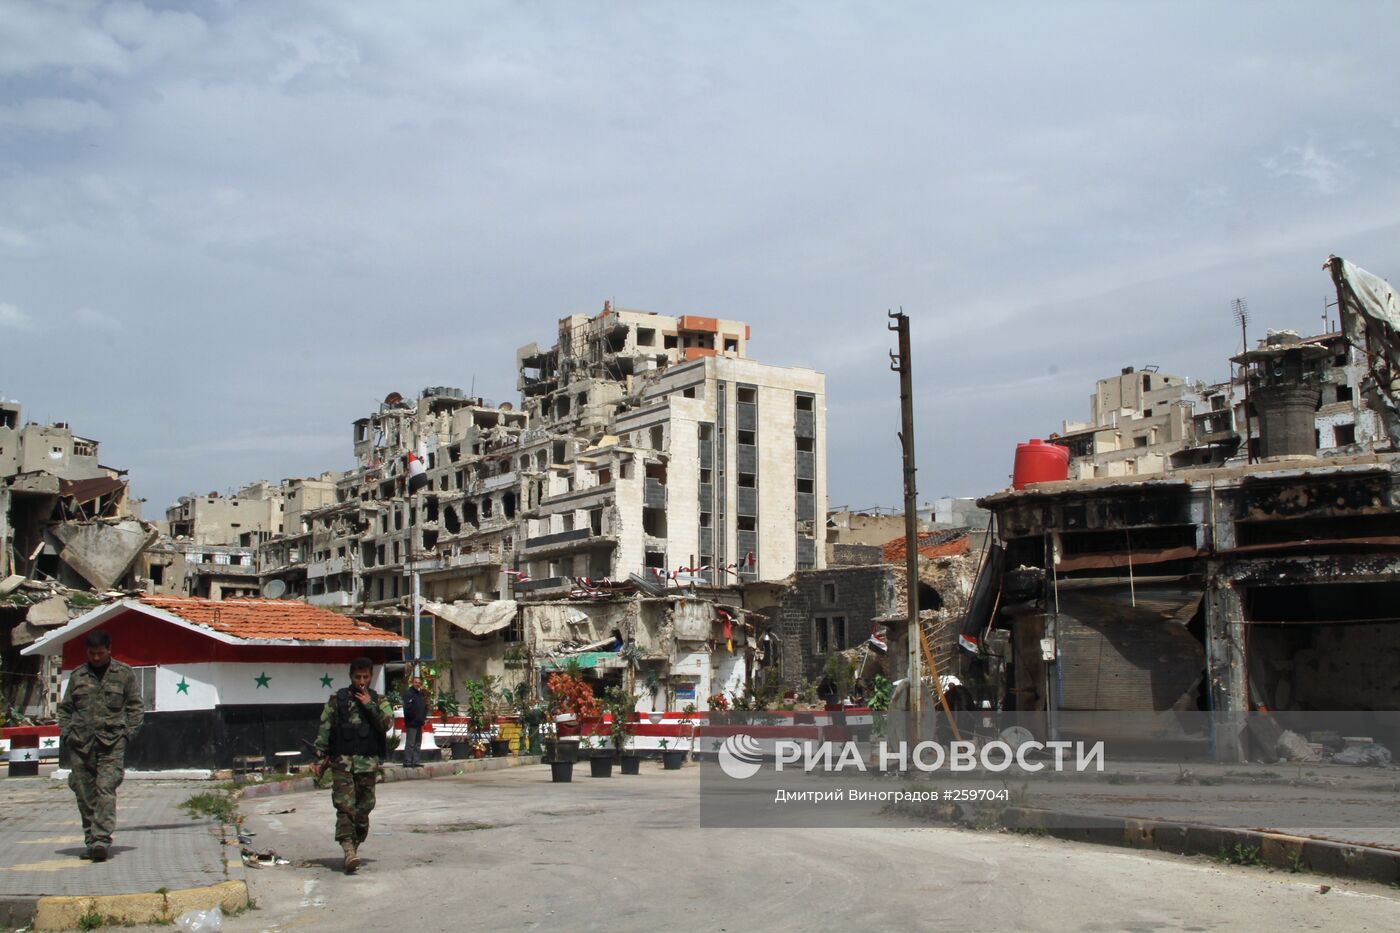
[(417, 474)]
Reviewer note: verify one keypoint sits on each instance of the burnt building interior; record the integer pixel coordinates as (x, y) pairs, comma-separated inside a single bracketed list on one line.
[(1205, 596)]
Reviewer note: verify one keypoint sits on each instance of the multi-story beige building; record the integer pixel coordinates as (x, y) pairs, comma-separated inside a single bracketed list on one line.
[(645, 445), (246, 519)]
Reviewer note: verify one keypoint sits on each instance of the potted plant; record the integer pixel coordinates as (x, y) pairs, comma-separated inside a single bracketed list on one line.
[(571, 699), (620, 703), (671, 759), (600, 765)]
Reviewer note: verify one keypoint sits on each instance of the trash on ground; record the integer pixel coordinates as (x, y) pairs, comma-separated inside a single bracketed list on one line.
[(201, 921), (1373, 755)]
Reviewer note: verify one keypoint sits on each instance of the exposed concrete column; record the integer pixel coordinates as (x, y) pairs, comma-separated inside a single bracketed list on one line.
[(1286, 419), (1225, 654)]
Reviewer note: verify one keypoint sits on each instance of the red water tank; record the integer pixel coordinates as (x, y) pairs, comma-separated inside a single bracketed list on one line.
[(1039, 462)]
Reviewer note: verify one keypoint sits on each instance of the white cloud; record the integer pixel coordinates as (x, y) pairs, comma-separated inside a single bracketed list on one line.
[(1322, 173), (12, 318), (97, 320), (55, 115)]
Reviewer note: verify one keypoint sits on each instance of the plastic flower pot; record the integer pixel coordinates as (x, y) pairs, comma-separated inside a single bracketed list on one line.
[(672, 761), (631, 764), (500, 748), (561, 772), (562, 749), (602, 767)]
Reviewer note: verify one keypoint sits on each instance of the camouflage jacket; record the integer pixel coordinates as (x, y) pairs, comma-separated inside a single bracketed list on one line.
[(379, 709), (104, 710)]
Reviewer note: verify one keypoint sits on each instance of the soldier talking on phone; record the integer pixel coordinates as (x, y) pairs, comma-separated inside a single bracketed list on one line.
[(351, 743)]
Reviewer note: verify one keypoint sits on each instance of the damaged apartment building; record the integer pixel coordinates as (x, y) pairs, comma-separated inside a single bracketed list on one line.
[(649, 459), (1257, 588), (208, 545), (1142, 421), (67, 526)]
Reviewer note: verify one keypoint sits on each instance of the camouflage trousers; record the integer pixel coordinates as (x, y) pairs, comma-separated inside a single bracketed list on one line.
[(97, 772), (352, 793)]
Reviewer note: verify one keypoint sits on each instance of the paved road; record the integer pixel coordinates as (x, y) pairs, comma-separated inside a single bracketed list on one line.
[(509, 850)]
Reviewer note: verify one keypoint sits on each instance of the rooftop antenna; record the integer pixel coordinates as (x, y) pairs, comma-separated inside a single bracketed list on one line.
[(1241, 314)]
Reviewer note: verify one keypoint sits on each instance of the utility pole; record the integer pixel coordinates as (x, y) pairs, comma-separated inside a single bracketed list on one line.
[(1241, 310), (901, 363)]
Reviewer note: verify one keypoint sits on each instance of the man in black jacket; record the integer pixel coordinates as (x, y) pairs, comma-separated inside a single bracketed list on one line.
[(415, 714)]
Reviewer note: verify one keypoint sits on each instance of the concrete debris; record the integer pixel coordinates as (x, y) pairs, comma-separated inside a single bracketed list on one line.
[(1373, 756), (1293, 747), (49, 612), (102, 553)]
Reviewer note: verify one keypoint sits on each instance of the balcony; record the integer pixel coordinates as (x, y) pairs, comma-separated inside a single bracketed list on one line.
[(565, 541), (550, 586)]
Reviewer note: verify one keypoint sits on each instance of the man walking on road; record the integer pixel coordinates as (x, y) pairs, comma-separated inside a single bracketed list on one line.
[(351, 742), (415, 714), (100, 712)]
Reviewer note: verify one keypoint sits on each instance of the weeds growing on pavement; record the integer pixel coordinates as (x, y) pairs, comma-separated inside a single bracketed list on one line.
[(222, 807), (1240, 854), (90, 920)]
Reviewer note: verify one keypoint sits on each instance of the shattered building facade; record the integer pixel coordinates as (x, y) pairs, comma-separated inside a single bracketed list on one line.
[(1143, 422), (67, 525), (1220, 590), (648, 454)]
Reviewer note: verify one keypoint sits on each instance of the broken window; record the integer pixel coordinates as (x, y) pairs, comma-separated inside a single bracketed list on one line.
[(688, 392), (1344, 393), (655, 559), (748, 480), (806, 444), (747, 395), (746, 439), (731, 344), (747, 523), (706, 476), (654, 522), (508, 504), (646, 336), (806, 402), (1343, 434), (486, 507), (595, 521), (669, 341), (806, 485), (658, 437)]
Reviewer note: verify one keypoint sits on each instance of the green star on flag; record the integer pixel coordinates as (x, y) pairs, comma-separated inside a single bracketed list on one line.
[(262, 680), (325, 680), (49, 743), (182, 687)]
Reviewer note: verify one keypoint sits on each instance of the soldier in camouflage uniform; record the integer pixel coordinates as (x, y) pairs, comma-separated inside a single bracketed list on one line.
[(100, 711), (352, 744)]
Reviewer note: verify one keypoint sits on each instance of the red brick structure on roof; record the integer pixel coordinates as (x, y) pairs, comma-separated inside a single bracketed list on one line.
[(931, 544), (269, 619)]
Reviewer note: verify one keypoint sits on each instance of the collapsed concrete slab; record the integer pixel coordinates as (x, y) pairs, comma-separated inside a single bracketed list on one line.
[(100, 552)]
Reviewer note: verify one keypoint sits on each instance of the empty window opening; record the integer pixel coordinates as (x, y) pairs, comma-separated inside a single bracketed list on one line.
[(486, 507), (747, 523), (829, 594), (806, 486), (746, 395), (748, 480), (1343, 434), (450, 521), (646, 336), (658, 437), (806, 444), (806, 403), (508, 504), (654, 522), (746, 439), (1344, 393), (731, 344)]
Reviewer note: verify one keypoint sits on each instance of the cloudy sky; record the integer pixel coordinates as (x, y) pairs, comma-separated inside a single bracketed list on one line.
[(229, 229)]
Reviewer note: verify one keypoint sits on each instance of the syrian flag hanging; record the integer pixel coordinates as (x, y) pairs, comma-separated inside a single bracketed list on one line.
[(417, 474)]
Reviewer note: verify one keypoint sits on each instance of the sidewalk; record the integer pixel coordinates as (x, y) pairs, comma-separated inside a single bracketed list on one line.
[(158, 851), (1321, 817)]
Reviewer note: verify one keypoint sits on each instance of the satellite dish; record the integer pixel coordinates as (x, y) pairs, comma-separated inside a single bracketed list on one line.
[(274, 589)]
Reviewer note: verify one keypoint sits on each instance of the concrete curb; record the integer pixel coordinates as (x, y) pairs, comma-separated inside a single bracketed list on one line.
[(1276, 850), (391, 774), (66, 912)]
